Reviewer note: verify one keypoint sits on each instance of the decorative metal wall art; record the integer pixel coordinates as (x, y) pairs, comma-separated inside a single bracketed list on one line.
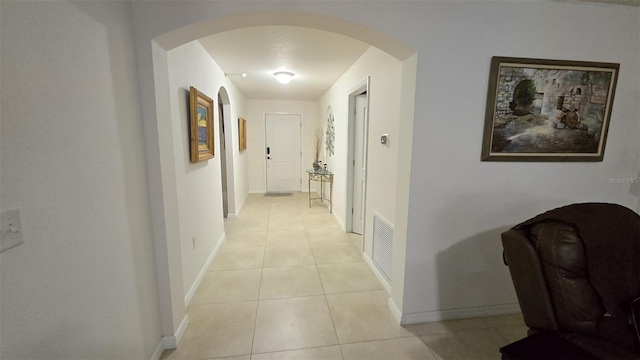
[(330, 136)]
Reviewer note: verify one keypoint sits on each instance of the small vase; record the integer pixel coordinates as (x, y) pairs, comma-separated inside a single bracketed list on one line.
[(316, 166)]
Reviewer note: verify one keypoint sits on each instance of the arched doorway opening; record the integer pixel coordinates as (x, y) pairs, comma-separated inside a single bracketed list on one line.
[(163, 184), (226, 154)]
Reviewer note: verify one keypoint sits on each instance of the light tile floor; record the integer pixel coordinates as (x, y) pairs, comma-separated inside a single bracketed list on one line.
[(288, 284)]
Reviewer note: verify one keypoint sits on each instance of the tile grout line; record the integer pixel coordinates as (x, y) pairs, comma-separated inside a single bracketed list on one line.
[(324, 293), (262, 267), (284, 351), (428, 347), (255, 321), (335, 330)]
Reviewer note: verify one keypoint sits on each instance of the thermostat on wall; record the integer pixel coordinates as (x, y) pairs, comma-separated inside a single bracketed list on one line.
[(384, 138)]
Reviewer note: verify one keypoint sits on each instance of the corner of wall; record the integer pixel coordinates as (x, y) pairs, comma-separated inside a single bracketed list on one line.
[(172, 342), (403, 188), (157, 352), (196, 284)]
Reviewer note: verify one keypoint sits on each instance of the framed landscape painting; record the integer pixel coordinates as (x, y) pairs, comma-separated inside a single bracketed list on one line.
[(548, 110), (200, 126)]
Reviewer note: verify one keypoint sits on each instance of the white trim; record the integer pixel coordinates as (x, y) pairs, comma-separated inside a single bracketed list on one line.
[(244, 201), (230, 145), (157, 353), (302, 152), (377, 273), (196, 284), (397, 314), (351, 105), (171, 342), (239, 207), (462, 313), (337, 218)]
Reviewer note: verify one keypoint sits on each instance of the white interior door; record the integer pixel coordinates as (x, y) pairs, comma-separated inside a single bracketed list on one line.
[(359, 163), (283, 153)]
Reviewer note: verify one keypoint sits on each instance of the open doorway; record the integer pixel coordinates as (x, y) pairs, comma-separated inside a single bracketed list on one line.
[(167, 221), (357, 157), (223, 161), (226, 154)]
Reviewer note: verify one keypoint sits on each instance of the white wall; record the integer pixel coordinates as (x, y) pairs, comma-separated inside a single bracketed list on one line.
[(198, 184), (256, 110), (241, 176), (83, 285), (67, 85), (384, 108), (458, 204)]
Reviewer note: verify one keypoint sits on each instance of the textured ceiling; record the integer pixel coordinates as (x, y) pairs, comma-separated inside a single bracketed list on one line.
[(318, 58)]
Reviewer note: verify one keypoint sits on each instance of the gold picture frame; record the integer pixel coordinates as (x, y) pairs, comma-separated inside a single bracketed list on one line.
[(201, 144), (242, 134)]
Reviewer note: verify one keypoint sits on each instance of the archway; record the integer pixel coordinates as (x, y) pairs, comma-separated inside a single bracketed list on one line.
[(163, 186), (226, 154)]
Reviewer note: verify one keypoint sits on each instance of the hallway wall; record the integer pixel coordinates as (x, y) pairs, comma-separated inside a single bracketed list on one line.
[(256, 110), (199, 184), (83, 285), (384, 108), (460, 205)]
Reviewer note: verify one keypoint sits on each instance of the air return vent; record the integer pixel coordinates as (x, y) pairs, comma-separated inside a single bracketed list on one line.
[(383, 245)]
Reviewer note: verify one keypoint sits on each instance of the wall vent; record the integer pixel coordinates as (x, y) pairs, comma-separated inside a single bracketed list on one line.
[(383, 245)]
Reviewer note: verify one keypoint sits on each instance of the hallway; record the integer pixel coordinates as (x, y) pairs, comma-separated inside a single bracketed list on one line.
[(288, 283)]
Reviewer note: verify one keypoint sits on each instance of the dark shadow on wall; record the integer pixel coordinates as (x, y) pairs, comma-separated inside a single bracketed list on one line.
[(123, 89), (471, 275)]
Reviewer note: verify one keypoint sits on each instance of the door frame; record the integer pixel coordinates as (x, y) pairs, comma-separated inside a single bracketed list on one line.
[(356, 90), (229, 158), (223, 158), (264, 146)]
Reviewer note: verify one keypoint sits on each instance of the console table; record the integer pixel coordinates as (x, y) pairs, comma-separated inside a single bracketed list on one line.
[(321, 176)]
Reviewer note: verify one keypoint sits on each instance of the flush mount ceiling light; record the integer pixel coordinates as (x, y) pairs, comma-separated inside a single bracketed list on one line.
[(242, 75), (283, 77)]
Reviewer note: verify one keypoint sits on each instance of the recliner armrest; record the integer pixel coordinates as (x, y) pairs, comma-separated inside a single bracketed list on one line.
[(528, 281)]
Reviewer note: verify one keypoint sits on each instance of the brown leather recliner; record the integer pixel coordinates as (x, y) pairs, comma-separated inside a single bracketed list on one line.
[(550, 273)]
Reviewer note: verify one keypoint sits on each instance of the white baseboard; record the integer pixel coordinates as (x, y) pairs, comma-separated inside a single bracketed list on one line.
[(438, 315), (196, 284), (171, 342), (342, 225), (397, 314), (157, 353), (453, 314), (232, 216), (377, 273)]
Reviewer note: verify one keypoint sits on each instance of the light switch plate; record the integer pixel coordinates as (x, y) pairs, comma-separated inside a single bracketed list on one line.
[(10, 229)]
